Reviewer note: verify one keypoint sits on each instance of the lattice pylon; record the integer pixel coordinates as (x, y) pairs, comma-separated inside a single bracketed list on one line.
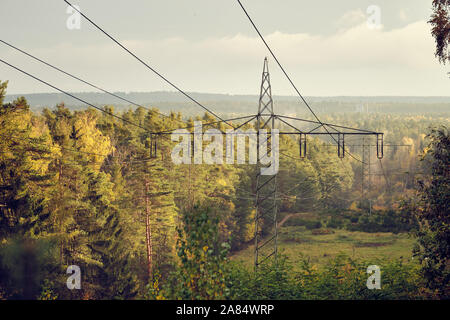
[(266, 229)]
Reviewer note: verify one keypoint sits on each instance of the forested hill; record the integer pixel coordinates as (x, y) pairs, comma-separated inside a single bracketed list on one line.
[(225, 103)]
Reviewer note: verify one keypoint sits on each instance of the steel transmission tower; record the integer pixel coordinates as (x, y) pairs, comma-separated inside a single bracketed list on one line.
[(266, 229)]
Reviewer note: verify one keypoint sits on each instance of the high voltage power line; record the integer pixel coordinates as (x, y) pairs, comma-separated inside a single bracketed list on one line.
[(73, 96), (83, 81), (106, 91), (147, 65), (289, 79), (278, 62), (104, 111)]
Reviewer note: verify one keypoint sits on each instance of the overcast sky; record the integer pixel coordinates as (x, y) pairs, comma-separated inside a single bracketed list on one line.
[(209, 46)]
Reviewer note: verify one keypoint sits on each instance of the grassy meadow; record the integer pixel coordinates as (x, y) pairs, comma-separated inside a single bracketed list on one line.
[(323, 244)]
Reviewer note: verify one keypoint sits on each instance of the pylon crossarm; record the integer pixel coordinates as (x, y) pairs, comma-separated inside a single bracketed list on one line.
[(290, 125), (170, 131), (327, 124), (316, 128), (328, 133), (251, 119)]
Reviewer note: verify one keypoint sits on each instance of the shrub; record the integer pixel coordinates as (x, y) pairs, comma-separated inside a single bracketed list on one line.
[(201, 274), (335, 223), (341, 279), (354, 219), (310, 225)]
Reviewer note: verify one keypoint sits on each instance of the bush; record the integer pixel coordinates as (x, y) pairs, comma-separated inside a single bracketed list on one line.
[(335, 223), (354, 219), (380, 221), (202, 271), (273, 281), (341, 279), (310, 225)]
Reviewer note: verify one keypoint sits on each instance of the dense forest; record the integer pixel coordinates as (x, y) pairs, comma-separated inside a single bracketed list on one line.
[(79, 187)]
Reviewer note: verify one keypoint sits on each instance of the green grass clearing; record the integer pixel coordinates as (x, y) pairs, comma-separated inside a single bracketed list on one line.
[(295, 241)]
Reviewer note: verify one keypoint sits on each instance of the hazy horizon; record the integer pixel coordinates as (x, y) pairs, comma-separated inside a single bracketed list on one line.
[(233, 94), (327, 48)]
